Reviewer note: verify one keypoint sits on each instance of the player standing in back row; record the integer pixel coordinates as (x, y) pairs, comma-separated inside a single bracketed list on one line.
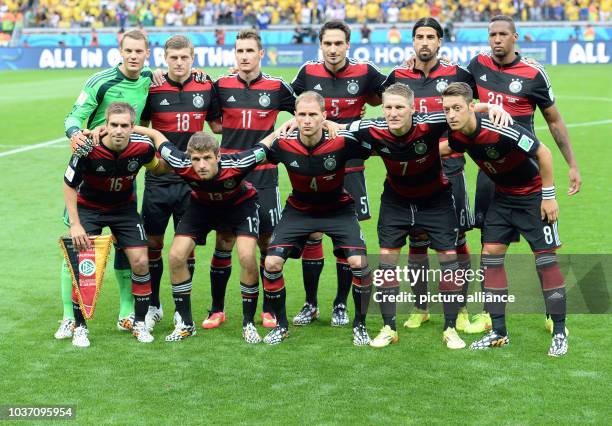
[(504, 77), (346, 85)]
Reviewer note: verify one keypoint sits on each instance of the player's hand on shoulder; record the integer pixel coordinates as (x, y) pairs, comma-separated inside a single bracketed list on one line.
[(200, 76), (575, 181), (79, 237), (286, 128), (531, 61), (332, 128), (232, 70), (97, 134), (410, 62), (81, 143), (499, 116), (158, 78), (550, 210)]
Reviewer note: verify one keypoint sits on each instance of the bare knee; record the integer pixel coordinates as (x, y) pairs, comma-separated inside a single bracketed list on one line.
[(274, 263)]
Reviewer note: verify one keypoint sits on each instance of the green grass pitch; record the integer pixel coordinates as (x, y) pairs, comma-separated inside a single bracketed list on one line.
[(316, 376)]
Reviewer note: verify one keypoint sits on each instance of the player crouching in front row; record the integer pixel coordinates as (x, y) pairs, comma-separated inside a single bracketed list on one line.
[(524, 202), (99, 192), (222, 201)]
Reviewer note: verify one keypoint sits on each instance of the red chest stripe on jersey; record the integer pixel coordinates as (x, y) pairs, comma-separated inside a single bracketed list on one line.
[(519, 69), (350, 71), (344, 108), (191, 86), (429, 104), (317, 184), (249, 119), (514, 105), (264, 83), (178, 122)]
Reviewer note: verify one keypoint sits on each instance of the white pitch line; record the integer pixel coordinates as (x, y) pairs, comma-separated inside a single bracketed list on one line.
[(31, 147), (585, 124), (585, 98)]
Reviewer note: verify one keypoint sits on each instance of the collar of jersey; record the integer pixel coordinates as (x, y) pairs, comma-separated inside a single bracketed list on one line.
[(311, 149), (176, 83), (125, 76), (340, 71), (431, 71), (511, 64), (255, 80)]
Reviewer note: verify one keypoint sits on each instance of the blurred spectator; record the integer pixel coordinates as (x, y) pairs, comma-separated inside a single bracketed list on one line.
[(220, 36), (365, 33), (94, 42), (394, 36), (589, 33), (392, 14)]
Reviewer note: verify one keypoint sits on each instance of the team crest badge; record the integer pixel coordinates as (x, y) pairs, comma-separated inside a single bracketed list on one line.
[(132, 165), (352, 87), (229, 184), (198, 101), (516, 86), (492, 153), (264, 100), (329, 163), (420, 148), (441, 85)]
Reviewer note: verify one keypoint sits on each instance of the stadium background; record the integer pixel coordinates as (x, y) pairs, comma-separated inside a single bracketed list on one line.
[(316, 376)]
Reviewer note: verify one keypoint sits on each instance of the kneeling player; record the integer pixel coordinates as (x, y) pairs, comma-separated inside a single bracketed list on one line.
[(315, 164), (524, 202), (220, 201), (99, 192)]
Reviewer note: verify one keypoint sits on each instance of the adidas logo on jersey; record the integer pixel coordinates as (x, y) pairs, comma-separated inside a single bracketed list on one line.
[(231, 99), (317, 87), (164, 102), (100, 169), (385, 150), (483, 77), (294, 164)]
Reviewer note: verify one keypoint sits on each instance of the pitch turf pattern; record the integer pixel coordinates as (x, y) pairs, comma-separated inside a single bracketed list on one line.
[(317, 375)]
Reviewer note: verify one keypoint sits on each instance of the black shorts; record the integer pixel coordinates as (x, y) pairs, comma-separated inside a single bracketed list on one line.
[(200, 219), (509, 214), (161, 201), (269, 209), (124, 222), (485, 192), (291, 233), (462, 201), (400, 217), (355, 184)]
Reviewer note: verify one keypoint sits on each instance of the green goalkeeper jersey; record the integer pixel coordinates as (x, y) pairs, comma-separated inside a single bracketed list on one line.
[(101, 90)]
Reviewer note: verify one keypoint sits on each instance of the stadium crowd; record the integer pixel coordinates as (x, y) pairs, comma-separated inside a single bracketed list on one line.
[(261, 13)]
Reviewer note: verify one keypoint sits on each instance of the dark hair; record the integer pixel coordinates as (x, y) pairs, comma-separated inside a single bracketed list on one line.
[(120, 108), (336, 25), (504, 18), (250, 34), (428, 22), (459, 89), (202, 142)]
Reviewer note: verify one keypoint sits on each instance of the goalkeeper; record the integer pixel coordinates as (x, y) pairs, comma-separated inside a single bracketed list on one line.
[(127, 82)]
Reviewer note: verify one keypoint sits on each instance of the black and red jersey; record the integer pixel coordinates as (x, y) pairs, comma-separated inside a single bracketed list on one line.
[(228, 187), (249, 114), (414, 168), (178, 111), (518, 86), (317, 173), (428, 95), (345, 91), (506, 155), (105, 178)]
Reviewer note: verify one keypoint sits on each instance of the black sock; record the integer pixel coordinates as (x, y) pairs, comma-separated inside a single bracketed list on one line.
[(553, 289), (220, 271), (249, 293), (274, 291), (418, 264), (156, 269), (465, 264), (498, 322), (361, 299), (450, 291), (388, 309), (312, 266), (141, 289), (181, 293), (345, 277), (79, 319)]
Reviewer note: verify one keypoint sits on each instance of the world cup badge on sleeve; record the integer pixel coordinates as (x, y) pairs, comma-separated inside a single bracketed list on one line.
[(87, 270)]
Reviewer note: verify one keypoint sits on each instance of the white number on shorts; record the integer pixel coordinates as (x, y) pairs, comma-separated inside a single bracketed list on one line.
[(364, 204), (462, 218), (313, 184), (253, 224), (490, 167), (548, 234), (274, 216), (116, 184), (182, 122)]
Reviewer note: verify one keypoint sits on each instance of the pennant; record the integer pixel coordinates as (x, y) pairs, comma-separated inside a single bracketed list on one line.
[(87, 270)]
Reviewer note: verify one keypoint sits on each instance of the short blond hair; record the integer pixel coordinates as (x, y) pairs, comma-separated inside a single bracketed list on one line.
[(135, 35), (120, 108), (312, 96), (178, 42), (400, 89), (202, 142)]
